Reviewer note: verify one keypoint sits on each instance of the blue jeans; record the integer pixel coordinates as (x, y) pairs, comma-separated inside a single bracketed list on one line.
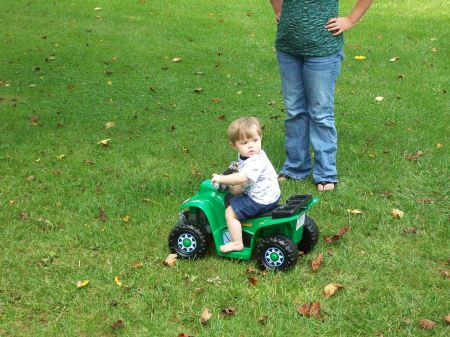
[(308, 84)]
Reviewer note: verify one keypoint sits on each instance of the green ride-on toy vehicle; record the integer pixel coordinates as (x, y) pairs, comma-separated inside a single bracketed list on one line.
[(276, 236)]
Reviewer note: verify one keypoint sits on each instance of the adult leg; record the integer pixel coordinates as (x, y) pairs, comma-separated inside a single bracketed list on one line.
[(320, 75), (235, 229), (298, 161)]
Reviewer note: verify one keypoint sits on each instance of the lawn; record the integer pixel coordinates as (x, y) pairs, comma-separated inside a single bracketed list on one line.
[(158, 82)]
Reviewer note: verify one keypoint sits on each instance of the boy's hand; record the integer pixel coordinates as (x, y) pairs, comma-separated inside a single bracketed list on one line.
[(216, 178)]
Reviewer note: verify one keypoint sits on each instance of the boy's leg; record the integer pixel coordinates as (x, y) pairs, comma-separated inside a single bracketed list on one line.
[(235, 229)]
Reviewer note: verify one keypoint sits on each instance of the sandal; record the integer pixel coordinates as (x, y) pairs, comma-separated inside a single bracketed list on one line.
[(321, 186), (282, 177)]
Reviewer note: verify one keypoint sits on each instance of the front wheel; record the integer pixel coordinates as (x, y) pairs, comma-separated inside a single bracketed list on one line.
[(276, 252), (309, 237), (188, 241)]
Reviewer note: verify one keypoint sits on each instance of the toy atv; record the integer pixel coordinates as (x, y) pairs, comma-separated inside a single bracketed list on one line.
[(277, 235)]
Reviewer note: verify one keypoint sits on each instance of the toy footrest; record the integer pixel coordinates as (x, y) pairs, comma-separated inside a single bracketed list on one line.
[(294, 205)]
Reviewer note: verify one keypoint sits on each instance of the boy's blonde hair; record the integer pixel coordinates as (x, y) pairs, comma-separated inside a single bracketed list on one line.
[(244, 128)]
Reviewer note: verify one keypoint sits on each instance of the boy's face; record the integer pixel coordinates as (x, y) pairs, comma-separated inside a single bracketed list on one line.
[(249, 147)]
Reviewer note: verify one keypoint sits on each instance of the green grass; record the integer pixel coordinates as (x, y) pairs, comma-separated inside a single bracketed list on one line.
[(56, 61)]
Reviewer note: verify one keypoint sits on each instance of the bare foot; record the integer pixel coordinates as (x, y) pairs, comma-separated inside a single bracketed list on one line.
[(326, 187), (232, 247)]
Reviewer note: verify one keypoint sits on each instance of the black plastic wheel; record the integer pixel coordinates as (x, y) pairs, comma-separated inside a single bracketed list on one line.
[(276, 252), (310, 235), (188, 240)]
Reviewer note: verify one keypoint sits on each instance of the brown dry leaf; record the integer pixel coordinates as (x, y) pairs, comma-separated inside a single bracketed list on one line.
[(228, 311), (23, 216), (412, 230), (315, 311), (445, 273), (434, 50), (30, 178), (119, 324), (221, 118), (102, 215), (171, 260), (136, 265), (206, 315), (263, 319), (184, 335), (34, 119), (317, 262), (311, 310), (427, 324), (414, 157), (253, 280), (396, 213), (88, 162), (339, 234), (446, 318), (216, 100), (126, 219), (331, 288), (110, 125), (425, 201)]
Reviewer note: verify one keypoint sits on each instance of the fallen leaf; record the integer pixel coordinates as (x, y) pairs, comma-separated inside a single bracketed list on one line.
[(412, 230), (198, 90), (434, 50), (317, 262), (414, 157), (446, 318), (23, 216), (136, 265), (253, 280), (439, 146), (425, 201), (311, 310), (354, 211), (61, 157), (82, 284), (119, 324), (216, 100), (104, 142), (214, 280), (331, 288), (396, 213), (427, 324), (171, 260), (126, 218), (97, 9), (177, 59), (88, 162), (379, 98), (394, 59), (228, 311), (446, 273), (110, 125), (102, 215), (263, 319), (339, 234), (206, 315), (34, 119), (118, 281), (360, 57), (184, 335)]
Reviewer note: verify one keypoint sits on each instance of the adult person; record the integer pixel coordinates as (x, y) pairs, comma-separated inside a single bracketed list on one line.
[(309, 45)]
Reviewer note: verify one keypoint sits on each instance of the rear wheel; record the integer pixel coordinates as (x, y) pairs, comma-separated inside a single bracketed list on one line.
[(276, 252), (310, 236)]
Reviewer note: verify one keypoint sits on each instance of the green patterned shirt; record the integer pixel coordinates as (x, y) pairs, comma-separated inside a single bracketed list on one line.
[(302, 31)]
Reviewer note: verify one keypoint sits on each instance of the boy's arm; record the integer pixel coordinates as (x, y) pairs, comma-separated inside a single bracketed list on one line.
[(341, 24), (230, 179), (277, 4)]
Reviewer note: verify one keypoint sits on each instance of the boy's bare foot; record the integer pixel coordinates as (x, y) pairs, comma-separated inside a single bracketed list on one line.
[(232, 247)]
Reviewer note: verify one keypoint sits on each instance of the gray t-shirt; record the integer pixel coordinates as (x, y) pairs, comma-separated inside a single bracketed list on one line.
[(262, 186)]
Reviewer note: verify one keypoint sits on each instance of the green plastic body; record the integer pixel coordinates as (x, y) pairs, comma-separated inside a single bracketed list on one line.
[(212, 202)]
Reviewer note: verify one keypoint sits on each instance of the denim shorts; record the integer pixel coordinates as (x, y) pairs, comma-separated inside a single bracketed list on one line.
[(246, 208)]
